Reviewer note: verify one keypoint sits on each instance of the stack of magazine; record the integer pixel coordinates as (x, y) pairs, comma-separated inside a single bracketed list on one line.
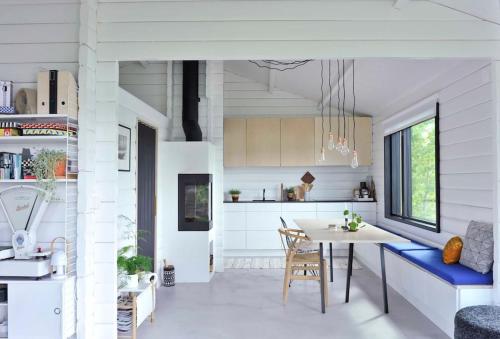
[(124, 319)]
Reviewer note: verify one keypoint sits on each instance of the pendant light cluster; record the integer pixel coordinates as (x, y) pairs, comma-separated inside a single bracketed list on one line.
[(342, 145)]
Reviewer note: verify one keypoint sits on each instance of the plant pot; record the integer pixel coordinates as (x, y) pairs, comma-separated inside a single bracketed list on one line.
[(60, 169), (132, 280), (235, 198)]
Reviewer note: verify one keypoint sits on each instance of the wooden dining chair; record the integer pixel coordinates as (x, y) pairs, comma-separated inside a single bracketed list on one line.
[(296, 261)]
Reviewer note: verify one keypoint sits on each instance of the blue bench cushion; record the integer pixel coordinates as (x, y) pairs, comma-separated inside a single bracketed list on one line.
[(456, 274), (406, 246)]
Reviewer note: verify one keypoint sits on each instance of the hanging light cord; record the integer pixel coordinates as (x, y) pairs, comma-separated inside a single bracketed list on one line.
[(330, 100), (322, 109), (343, 86), (353, 108), (338, 96)]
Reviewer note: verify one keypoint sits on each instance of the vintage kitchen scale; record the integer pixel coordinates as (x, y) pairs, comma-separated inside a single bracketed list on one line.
[(24, 207)]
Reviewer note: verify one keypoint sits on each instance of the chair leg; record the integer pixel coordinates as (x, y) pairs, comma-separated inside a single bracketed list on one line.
[(287, 280), (325, 276)]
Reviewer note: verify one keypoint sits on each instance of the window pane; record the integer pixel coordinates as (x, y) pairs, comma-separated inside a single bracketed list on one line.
[(396, 175), (423, 171)]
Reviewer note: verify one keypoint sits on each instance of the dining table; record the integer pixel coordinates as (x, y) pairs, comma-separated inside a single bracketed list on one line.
[(331, 231)]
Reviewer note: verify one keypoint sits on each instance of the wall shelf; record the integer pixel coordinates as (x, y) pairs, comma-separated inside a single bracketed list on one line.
[(7, 181), (50, 139), (37, 117)]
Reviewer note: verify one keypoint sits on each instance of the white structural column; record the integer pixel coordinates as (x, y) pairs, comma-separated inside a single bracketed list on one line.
[(107, 197), (215, 96), (86, 232), (495, 70)]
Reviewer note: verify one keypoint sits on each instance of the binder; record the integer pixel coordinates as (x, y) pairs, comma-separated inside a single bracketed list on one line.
[(57, 93), (5, 93)]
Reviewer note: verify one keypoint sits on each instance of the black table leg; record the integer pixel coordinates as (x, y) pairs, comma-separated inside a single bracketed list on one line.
[(331, 262), (384, 281), (349, 272), (321, 277)]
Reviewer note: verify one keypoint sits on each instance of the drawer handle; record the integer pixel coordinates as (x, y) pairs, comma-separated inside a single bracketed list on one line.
[(57, 310)]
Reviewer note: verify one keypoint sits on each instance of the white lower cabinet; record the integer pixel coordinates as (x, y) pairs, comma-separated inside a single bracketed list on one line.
[(42, 309), (263, 240), (250, 227)]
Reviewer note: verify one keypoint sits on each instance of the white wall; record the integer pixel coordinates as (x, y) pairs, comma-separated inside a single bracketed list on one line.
[(147, 81), (467, 136), (245, 97), (243, 30)]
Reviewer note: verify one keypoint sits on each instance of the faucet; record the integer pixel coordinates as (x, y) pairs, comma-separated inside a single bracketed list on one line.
[(264, 194)]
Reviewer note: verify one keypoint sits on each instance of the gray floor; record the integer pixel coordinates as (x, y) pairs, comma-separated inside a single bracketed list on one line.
[(244, 304)]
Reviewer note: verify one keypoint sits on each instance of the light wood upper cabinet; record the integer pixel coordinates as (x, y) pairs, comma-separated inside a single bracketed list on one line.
[(235, 142), (263, 142), (363, 142), (297, 142)]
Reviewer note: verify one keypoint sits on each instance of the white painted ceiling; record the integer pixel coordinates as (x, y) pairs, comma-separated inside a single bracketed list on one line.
[(380, 84)]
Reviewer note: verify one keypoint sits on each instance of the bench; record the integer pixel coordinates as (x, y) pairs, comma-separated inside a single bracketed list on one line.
[(416, 271)]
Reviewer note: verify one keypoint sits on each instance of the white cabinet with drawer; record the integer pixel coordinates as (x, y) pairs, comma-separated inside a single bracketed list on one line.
[(252, 228)]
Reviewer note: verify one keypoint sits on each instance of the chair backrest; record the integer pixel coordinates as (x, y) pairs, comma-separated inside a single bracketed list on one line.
[(289, 241)]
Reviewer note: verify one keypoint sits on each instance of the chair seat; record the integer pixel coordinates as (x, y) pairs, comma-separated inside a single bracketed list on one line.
[(307, 247), (306, 258), (456, 274)]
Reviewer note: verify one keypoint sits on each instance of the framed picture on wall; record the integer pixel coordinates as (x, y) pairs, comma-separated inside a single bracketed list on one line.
[(124, 140)]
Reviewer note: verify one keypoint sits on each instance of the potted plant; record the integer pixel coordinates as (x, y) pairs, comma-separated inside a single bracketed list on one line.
[(235, 194), (290, 192), (47, 166), (132, 266), (356, 221)]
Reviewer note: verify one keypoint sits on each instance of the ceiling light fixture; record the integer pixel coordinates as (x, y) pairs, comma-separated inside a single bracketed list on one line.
[(354, 161)]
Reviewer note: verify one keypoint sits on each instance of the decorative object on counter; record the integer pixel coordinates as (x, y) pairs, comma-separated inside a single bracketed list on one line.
[(168, 274), (452, 250), (58, 259), (130, 267), (235, 194), (290, 193), (363, 193), (47, 166), (26, 101), (57, 93), (307, 180), (124, 139), (355, 224)]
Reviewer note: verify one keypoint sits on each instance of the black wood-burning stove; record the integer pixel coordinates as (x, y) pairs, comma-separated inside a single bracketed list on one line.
[(195, 202)]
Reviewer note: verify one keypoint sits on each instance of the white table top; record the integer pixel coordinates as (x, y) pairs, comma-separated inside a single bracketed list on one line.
[(318, 231)]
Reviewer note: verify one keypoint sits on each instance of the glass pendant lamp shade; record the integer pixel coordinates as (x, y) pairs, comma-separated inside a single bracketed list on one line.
[(354, 161), (338, 147), (322, 155), (345, 148), (331, 142)]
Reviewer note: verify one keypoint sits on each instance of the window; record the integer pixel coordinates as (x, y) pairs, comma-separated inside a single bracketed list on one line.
[(412, 174)]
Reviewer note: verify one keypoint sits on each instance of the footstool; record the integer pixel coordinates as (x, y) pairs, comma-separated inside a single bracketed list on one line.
[(478, 322)]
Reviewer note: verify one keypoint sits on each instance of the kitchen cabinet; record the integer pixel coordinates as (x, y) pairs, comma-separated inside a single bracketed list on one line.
[(363, 142), (297, 142), (235, 142), (263, 140), (41, 309)]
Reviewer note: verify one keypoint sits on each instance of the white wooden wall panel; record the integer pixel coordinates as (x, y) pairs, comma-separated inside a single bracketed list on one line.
[(467, 157), (147, 82)]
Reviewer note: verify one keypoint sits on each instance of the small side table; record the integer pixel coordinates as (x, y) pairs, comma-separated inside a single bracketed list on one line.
[(141, 301)]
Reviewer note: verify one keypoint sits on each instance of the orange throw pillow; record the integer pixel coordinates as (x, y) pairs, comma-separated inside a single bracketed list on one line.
[(452, 250)]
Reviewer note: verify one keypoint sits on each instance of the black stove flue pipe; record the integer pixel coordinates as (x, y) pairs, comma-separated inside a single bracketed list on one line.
[(190, 100)]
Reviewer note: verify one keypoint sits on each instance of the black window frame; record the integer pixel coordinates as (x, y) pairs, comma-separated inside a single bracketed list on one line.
[(404, 217)]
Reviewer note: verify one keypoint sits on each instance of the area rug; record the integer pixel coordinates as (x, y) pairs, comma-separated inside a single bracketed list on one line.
[(276, 263)]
